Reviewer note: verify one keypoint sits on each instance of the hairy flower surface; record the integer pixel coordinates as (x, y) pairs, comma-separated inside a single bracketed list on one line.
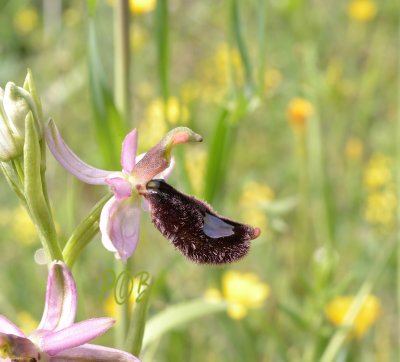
[(57, 337), (188, 223)]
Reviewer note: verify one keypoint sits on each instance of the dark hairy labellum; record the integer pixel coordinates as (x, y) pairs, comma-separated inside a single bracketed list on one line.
[(194, 228)]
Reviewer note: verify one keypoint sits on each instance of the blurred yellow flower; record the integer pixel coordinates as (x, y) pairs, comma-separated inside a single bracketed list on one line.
[(255, 193), (362, 10), (272, 78), (378, 172), (26, 322), (243, 291), (298, 111), (26, 20), (139, 7), (381, 207), (354, 149), (111, 306), (337, 308)]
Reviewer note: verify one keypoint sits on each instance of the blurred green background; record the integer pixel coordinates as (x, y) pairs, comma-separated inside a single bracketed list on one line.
[(296, 101)]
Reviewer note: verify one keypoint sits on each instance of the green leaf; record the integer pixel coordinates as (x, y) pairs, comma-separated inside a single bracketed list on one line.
[(215, 172), (179, 315), (110, 129)]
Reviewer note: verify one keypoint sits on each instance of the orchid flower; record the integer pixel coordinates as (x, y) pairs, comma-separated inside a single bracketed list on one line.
[(190, 224), (120, 217), (57, 337)]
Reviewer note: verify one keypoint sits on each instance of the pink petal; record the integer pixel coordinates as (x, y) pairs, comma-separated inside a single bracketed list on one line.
[(120, 225), (60, 308), (71, 162), (120, 187), (91, 352), (128, 155), (75, 335), (9, 328)]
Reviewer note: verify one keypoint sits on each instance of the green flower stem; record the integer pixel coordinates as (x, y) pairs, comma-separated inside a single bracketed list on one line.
[(134, 339), (121, 328), (121, 58), (36, 201), (84, 233), (162, 31), (339, 337)]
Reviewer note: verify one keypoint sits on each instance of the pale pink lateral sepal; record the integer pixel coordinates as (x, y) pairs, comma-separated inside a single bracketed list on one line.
[(60, 307), (75, 335), (120, 187), (128, 154), (120, 226), (7, 327), (91, 352), (69, 160)]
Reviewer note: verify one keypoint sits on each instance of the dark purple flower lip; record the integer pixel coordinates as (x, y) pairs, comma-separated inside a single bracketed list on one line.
[(194, 228)]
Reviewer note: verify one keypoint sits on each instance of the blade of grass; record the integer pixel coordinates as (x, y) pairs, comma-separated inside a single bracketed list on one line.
[(162, 32), (110, 129), (237, 32)]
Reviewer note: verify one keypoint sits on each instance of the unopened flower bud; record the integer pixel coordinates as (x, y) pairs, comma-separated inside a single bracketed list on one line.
[(17, 103), (11, 144)]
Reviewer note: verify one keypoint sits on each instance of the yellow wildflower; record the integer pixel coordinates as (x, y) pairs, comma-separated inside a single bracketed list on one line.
[(298, 111), (243, 291), (255, 193), (354, 149), (272, 78), (378, 172), (26, 322), (362, 10), (139, 7), (336, 311), (26, 20), (381, 207)]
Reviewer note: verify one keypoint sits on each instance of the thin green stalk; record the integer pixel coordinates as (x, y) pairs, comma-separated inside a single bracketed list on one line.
[(262, 44), (214, 176), (339, 337), (398, 203), (122, 326), (121, 58), (162, 30), (134, 339), (84, 233), (238, 37)]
